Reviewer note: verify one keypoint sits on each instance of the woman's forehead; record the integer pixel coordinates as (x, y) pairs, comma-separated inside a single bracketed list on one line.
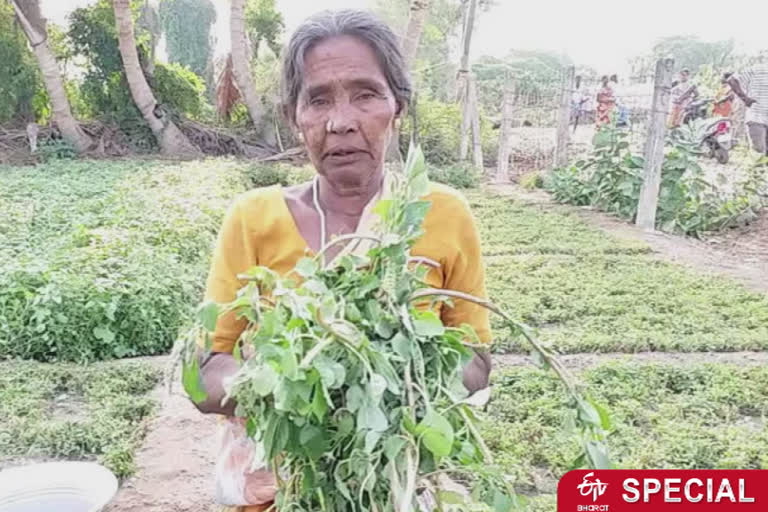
[(341, 58)]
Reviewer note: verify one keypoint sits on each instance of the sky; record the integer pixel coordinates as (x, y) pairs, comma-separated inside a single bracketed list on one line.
[(602, 34)]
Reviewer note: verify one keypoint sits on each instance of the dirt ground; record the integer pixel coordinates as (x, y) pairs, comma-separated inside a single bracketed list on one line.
[(175, 464)]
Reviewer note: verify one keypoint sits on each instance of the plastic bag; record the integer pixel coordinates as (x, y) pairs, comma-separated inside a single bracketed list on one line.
[(241, 474)]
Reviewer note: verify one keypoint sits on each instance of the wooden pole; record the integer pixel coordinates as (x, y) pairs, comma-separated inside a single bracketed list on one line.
[(654, 146), (477, 142), (465, 117), (502, 162), (564, 118)]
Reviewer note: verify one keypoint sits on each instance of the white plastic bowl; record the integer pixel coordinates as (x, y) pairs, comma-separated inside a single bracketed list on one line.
[(56, 487)]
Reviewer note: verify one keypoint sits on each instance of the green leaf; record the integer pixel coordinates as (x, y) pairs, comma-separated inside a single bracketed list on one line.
[(376, 387), (427, 323), (383, 207), (306, 267), (437, 433), (501, 502), (588, 413), (415, 212), (605, 419), (371, 417), (451, 498), (393, 446), (104, 334), (371, 439), (208, 314), (598, 455), (192, 382), (402, 346), (346, 423), (382, 365), (263, 381), (355, 398), (319, 404)]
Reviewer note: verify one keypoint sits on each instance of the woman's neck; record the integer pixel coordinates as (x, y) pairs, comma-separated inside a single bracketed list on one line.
[(351, 203)]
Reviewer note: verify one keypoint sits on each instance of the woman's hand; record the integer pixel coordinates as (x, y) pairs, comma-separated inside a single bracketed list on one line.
[(477, 373), (219, 366)]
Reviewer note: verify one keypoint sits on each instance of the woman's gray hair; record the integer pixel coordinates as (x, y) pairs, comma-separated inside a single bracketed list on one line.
[(347, 22)]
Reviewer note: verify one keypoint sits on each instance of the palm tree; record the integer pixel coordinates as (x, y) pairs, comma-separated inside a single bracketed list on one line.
[(242, 72), (34, 25), (172, 141), (419, 10)]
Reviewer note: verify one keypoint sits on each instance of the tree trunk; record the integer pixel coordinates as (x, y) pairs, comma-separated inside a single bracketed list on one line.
[(464, 79), (33, 24), (242, 72), (469, 23), (168, 135), (419, 10)]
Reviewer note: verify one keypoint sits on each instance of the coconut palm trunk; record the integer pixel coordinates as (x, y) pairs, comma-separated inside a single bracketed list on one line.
[(242, 72), (34, 25), (171, 140), (419, 10)]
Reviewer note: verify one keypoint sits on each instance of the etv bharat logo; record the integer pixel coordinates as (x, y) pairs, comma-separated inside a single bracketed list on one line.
[(596, 488)]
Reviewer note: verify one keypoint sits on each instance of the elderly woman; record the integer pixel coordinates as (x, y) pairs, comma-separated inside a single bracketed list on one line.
[(345, 87)]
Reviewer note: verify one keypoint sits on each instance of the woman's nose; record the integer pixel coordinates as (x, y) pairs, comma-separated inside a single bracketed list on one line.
[(341, 119)]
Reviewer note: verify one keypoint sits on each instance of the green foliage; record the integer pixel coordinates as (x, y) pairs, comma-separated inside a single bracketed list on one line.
[(611, 178), (108, 262), (187, 27), (75, 412), (104, 88), (619, 299), (181, 90), (20, 81), (55, 149), (532, 180), (439, 130), (264, 24), (692, 416), (456, 175), (689, 52), (434, 67), (265, 175)]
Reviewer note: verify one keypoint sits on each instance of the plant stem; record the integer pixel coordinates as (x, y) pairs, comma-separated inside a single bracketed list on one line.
[(344, 238)]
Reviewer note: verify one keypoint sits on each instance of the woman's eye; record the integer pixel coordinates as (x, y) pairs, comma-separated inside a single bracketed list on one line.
[(367, 96), (318, 102)]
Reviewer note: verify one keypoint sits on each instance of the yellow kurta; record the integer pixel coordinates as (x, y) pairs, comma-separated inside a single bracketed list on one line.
[(259, 229)]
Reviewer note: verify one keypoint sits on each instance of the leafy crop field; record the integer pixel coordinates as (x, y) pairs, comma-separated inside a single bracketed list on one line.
[(74, 412), (102, 260), (589, 292), (664, 416)]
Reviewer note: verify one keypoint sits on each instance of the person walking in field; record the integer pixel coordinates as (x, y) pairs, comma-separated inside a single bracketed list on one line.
[(683, 93), (606, 101), (751, 85), (723, 106)]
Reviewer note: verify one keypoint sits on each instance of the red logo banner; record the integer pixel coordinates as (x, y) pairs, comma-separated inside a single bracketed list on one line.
[(663, 490)]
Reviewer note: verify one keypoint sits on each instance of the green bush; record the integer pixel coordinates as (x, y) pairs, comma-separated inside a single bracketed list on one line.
[(611, 178), (21, 87), (180, 89), (439, 130), (456, 175), (267, 174), (111, 260)]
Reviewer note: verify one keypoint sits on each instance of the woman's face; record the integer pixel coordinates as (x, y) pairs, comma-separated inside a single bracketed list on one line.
[(345, 112)]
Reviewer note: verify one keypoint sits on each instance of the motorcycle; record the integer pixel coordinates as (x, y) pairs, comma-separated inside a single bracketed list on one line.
[(714, 134)]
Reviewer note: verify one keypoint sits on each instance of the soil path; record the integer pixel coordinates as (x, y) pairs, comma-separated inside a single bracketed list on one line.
[(741, 254), (175, 463)]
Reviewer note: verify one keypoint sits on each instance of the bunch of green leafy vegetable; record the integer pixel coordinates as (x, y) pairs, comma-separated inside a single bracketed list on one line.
[(354, 388)]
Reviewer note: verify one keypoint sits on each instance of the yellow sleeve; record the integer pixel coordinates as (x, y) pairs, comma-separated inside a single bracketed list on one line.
[(465, 272), (233, 255)]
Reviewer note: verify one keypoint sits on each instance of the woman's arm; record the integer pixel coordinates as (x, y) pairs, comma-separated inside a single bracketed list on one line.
[(218, 367)]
